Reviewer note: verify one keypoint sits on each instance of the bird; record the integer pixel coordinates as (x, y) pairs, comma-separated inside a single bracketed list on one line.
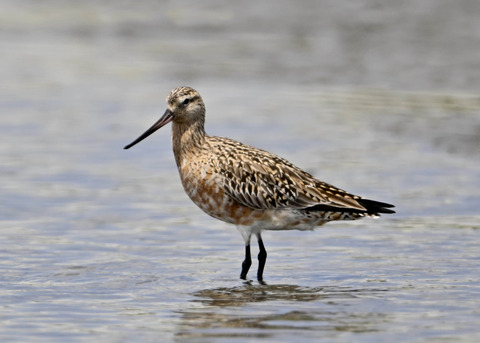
[(250, 187)]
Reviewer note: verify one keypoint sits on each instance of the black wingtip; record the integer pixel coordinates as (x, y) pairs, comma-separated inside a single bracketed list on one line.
[(372, 207), (375, 207)]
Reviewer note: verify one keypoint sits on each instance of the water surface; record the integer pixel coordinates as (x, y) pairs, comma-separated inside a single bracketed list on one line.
[(102, 244)]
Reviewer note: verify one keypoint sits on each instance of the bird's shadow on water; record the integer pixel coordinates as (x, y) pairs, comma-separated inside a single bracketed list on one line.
[(237, 311)]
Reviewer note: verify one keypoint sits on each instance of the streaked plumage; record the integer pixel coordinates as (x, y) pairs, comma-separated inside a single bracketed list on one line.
[(250, 187)]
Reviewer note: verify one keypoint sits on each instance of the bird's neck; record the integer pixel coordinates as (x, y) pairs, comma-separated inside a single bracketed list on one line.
[(187, 139)]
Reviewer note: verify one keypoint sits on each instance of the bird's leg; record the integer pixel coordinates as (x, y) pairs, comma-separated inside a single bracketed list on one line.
[(246, 234), (262, 257), (246, 263)]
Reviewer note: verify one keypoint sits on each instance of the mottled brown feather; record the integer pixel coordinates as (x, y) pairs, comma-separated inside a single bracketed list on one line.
[(261, 180)]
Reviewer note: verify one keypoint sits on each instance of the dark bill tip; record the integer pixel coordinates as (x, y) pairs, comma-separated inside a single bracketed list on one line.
[(165, 119)]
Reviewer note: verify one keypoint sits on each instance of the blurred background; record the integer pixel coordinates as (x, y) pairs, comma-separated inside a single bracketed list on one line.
[(380, 98)]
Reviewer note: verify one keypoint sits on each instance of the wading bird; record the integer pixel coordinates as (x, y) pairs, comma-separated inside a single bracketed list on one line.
[(250, 187)]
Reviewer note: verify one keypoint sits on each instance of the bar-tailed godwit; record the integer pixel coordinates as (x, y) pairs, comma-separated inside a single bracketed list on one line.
[(250, 187)]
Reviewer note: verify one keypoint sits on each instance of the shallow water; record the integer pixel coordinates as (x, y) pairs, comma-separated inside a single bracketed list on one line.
[(102, 244)]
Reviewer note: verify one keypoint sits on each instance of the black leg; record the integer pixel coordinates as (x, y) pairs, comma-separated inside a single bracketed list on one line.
[(246, 263), (262, 258)]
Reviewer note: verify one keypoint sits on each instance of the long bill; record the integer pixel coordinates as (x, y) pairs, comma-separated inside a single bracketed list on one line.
[(165, 119)]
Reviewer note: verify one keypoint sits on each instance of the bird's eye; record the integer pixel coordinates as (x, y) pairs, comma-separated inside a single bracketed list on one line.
[(186, 101)]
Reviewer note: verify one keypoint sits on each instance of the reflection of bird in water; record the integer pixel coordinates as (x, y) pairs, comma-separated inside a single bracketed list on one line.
[(248, 293), (249, 187), (314, 309)]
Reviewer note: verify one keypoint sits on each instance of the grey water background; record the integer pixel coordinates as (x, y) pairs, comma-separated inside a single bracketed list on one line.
[(101, 244)]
